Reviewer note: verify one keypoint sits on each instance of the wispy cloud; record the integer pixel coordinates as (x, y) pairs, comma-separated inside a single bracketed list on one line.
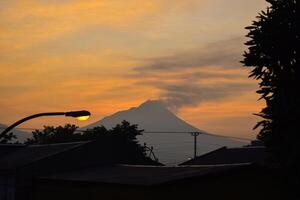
[(210, 73), (24, 23), (226, 53), (188, 94)]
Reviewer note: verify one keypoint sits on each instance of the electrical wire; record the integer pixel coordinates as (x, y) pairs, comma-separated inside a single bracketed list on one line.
[(161, 132)]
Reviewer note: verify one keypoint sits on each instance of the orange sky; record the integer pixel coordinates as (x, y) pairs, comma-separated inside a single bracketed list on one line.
[(110, 55)]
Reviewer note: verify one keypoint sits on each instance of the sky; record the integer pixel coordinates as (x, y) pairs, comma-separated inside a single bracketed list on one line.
[(109, 55)]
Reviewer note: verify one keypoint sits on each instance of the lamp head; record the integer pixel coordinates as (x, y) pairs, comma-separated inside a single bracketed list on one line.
[(80, 115)]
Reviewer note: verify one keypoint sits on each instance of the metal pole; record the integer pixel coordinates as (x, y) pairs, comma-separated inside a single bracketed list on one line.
[(195, 134), (28, 118), (67, 114), (195, 146)]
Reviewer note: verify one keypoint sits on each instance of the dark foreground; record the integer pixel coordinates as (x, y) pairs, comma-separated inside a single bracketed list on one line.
[(247, 182)]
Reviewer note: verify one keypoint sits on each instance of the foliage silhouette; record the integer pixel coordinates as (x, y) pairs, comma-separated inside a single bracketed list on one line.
[(6, 137), (69, 133), (122, 136), (51, 134), (273, 54)]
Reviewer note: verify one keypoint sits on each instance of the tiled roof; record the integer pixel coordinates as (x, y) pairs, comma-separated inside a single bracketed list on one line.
[(33, 153), (134, 175), (6, 149)]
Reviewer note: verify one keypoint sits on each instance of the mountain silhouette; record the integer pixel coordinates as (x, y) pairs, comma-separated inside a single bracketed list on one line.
[(151, 115), (170, 148)]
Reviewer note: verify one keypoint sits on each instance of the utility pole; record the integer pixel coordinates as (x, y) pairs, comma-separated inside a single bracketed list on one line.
[(195, 134)]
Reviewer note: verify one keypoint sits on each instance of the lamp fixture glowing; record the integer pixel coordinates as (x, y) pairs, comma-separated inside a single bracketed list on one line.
[(80, 115), (83, 118)]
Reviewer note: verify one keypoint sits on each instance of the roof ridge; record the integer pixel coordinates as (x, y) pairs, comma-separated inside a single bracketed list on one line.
[(205, 155), (41, 157), (58, 144), (56, 153), (249, 147), (214, 151), (10, 145)]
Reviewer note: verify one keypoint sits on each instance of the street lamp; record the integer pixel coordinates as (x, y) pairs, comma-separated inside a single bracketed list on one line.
[(80, 115)]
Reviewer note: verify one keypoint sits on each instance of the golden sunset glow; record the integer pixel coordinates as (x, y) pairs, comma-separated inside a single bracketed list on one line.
[(110, 55)]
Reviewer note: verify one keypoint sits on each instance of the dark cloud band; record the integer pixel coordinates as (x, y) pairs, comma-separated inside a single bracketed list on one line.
[(211, 73)]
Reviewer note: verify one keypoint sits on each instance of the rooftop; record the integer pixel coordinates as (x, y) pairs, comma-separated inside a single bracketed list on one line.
[(224, 155), (31, 153), (6, 149), (134, 175)]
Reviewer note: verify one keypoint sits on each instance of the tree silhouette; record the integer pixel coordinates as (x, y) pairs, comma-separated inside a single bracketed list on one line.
[(122, 137), (69, 133), (51, 134), (273, 54)]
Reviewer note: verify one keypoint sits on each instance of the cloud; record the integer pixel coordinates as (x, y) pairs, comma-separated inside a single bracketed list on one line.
[(226, 53), (179, 95), (210, 73), (24, 23)]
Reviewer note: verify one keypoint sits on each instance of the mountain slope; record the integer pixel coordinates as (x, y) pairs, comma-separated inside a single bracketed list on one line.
[(152, 116), (170, 148)]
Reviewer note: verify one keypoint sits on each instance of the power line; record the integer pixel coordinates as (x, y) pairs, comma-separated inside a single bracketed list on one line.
[(167, 132), (190, 132), (195, 134)]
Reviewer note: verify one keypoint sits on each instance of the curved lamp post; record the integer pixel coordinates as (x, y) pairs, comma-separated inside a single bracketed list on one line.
[(80, 115)]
